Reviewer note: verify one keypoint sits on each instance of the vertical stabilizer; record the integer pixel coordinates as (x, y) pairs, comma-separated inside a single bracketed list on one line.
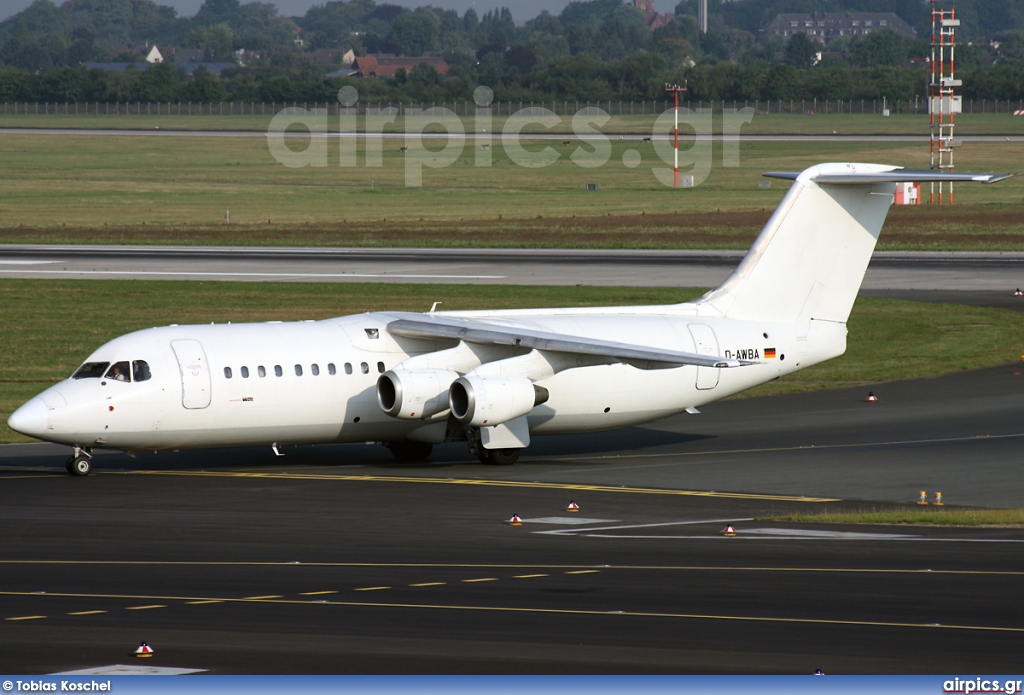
[(811, 256)]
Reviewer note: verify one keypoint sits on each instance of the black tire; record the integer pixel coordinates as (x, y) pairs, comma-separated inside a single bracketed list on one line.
[(70, 465), (504, 457), (80, 465), (410, 451)]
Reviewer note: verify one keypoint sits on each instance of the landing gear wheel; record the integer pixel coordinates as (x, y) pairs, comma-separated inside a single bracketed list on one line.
[(410, 451), (79, 465), (504, 457)]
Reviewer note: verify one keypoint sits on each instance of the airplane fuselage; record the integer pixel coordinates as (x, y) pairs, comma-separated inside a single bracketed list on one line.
[(315, 382)]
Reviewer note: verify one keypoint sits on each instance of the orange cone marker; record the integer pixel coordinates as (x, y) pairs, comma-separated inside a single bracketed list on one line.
[(144, 651), (938, 499), (515, 521), (729, 531), (573, 507), (923, 499), (872, 398)]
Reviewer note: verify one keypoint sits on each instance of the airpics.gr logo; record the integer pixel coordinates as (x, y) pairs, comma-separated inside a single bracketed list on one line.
[(590, 147), (982, 685)]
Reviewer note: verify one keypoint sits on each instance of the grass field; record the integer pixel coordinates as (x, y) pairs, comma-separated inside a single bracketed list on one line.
[(914, 516), (51, 327), (178, 190)]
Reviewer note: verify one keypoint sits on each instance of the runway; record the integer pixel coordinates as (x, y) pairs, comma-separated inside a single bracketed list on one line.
[(899, 270), (337, 560)]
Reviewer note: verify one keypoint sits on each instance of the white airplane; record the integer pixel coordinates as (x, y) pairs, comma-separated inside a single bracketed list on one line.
[(492, 378)]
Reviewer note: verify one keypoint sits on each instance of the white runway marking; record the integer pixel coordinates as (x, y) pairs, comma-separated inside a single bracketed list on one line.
[(757, 534), (133, 670), (13, 262), (568, 520), (590, 531), (172, 273)]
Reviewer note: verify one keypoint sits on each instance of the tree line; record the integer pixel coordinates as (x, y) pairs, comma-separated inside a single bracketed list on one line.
[(594, 50)]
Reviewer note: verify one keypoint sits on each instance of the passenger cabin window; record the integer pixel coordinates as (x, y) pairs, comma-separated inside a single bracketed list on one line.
[(298, 370), (227, 372), (365, 368), (380, 367), (331, 370), (118, 372), (277, 370), (315, 368), (261, 370), (348, 367), (245, 372), (140, 371), (91, 370)]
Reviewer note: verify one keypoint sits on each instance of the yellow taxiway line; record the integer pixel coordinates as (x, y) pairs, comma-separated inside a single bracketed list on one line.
[(487, 483), (534, 610)]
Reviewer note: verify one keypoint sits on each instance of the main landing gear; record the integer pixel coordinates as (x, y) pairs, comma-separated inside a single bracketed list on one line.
[(496, 457), (409, 451), (80, 462)]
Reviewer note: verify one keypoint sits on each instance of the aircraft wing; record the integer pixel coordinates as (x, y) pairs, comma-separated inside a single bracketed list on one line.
[(484, 333)]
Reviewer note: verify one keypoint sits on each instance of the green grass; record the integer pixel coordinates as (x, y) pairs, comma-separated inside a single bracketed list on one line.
[(79, 189), (51, 326), (915, 516)]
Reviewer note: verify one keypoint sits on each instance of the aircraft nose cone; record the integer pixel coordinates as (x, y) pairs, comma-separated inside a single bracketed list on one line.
[(32, 419)]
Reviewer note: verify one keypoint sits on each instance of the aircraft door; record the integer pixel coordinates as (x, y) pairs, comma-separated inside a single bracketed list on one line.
[(195, 373), (706, 343)]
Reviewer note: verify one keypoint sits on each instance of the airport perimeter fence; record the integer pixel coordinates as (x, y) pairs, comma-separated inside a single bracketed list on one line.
[(465, 108)]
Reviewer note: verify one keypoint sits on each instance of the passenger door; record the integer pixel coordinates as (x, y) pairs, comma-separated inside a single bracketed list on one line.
[(195, 373)]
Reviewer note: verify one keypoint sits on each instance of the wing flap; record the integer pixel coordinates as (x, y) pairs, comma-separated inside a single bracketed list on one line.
[(472, 331)]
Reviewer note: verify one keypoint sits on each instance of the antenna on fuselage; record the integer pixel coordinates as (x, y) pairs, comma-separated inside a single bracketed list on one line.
[(434, 306)]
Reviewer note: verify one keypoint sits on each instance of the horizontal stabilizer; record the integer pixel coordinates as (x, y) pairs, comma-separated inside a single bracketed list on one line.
[(809, 260), (480, 332), (897, 175)]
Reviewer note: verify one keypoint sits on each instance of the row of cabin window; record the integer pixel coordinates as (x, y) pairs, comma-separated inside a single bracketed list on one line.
[(313, 368)]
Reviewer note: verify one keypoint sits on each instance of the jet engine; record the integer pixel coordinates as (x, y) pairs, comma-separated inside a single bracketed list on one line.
[(414, 394), (479, 402)]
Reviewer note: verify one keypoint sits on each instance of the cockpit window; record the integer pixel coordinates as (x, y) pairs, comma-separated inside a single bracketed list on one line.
[(140, 370), (91, 370), (118, 372)]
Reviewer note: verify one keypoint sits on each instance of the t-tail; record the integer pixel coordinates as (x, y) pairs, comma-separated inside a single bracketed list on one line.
[(809, 260)]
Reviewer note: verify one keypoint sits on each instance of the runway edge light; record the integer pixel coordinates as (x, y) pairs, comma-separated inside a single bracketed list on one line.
[(872, 398), (144, 651), (515, 521), (729, 530), (573, 507)]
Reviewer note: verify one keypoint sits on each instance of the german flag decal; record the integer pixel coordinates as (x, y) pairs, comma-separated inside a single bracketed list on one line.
[(769, 353)]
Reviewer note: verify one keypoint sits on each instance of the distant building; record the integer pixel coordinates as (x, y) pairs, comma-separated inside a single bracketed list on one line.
[(652, 19), (828, 26), (150, 54), (331, 57), (385, 65)]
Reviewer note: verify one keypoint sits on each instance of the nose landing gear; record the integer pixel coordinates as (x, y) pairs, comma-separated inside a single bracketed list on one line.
[(80, 462)]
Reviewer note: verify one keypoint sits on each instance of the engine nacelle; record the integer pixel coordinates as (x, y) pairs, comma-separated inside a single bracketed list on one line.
[(479, 401), (414, 394)]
